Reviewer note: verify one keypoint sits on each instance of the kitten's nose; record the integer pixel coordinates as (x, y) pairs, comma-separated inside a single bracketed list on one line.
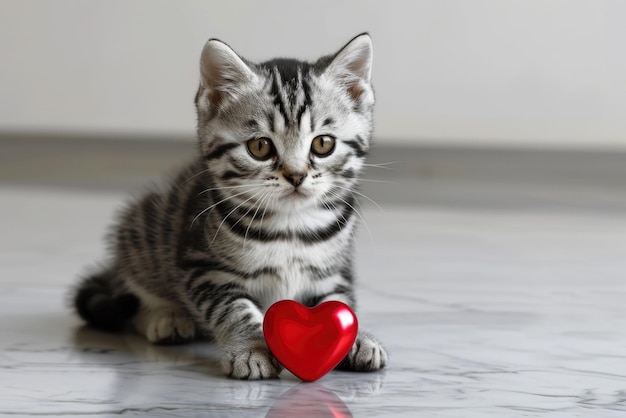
[(295, 178)]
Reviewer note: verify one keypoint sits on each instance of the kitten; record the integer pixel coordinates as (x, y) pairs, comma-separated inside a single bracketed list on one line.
[(264, 213)]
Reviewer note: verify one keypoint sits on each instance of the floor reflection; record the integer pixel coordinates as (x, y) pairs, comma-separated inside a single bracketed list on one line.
[(188, 377), (202, 354), (309, 400)]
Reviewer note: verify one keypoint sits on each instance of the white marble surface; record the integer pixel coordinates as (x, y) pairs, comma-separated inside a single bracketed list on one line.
[(485, 313)]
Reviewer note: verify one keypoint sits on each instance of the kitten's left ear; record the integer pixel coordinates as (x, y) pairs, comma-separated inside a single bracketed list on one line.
[(223, 74), (352, 65)]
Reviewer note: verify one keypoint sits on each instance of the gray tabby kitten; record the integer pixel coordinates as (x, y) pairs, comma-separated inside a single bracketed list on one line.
[(264, 213)]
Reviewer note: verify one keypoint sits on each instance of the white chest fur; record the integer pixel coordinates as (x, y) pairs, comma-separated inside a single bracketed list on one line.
[(292, 263)]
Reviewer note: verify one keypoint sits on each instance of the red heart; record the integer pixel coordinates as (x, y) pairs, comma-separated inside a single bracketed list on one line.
[(309, 342)]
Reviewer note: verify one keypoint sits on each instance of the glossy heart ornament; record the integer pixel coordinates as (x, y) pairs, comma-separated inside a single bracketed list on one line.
[(310, 342)]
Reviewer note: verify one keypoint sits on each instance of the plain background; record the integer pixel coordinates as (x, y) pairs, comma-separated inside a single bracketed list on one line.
[(547, 73)]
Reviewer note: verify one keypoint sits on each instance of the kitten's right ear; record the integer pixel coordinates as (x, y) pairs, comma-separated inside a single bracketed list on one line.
[(352, 66), (222, 74)]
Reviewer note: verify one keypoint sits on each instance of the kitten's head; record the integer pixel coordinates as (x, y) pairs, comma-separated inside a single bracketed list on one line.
[(289, 132)]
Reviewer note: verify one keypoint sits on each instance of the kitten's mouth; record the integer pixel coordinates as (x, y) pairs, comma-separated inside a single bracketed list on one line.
[(296, 194)]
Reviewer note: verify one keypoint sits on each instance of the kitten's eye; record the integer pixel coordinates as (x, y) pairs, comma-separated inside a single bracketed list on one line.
[(261, 148), (323, 145)]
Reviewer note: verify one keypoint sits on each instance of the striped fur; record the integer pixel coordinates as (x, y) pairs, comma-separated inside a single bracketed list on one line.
[(230, 235)]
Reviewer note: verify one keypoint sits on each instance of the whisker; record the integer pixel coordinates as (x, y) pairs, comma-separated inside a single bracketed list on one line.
[(382, 165), (230, 187), (327, 204), (245, 214), (361, 194), (245, 237), (196, 175), (338, 196), (378, 181), (215, 204), (230, 213), (265, 210), (385, 163)]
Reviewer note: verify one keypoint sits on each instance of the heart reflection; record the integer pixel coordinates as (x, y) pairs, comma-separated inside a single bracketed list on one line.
[(309, 400)]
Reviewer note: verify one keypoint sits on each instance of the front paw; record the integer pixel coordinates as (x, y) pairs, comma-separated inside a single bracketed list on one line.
[(366, 355), (251, 361)]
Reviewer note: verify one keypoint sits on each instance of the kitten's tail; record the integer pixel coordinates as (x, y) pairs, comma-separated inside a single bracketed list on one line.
[(96, 302)]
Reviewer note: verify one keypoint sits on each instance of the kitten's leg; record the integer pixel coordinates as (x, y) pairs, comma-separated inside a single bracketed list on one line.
[(161, 321), (367, 354), (235, 320)]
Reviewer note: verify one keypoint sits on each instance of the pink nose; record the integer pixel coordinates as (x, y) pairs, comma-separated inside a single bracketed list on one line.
[(295, 178)]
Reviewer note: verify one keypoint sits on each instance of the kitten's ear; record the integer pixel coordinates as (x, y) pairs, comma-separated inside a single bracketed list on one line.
[(222, 74), (352, 65)]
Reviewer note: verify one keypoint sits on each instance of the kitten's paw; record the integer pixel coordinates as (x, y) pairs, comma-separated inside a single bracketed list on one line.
[(165, 326), (366, 355), (251, 362)]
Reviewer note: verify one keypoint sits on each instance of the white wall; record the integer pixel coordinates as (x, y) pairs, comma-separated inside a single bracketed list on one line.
[(544, 72)]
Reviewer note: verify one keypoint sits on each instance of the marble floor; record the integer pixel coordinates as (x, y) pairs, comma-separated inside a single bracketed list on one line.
[(485, 312)]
